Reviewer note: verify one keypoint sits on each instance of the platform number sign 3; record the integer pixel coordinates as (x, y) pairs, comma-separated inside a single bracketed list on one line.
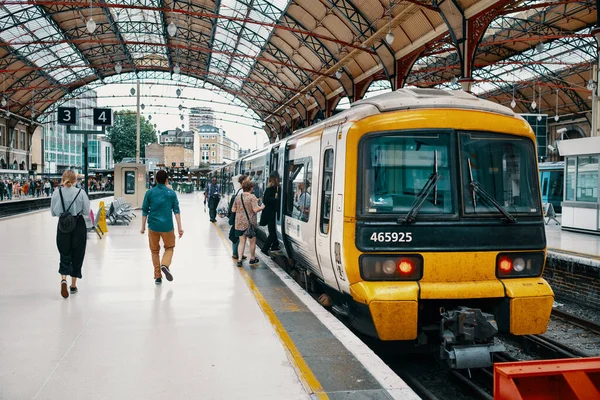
[(67, 116), (102, 116)]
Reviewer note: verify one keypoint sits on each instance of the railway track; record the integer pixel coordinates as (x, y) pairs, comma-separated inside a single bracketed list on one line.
[(577, 321)]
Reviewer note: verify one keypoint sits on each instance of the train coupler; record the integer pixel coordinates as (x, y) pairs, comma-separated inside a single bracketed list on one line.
[(468, 338)]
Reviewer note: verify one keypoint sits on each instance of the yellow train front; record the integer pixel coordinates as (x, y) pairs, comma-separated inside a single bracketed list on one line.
[(443, 227)]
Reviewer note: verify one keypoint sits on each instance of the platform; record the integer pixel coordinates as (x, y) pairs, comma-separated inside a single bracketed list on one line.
[(215, 332)]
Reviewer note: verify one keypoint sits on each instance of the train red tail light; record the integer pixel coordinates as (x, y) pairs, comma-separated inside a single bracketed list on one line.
[(505, 265), (405, 267), (519, 265), (391, 267)]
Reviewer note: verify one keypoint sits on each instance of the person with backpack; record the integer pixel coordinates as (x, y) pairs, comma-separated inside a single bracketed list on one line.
[(70, 204), (237, 186)]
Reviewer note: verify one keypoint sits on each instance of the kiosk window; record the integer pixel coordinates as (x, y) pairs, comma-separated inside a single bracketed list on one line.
[(129, 182)]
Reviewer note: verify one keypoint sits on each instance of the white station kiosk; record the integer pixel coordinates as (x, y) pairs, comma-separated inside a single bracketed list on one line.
[(130, 183)]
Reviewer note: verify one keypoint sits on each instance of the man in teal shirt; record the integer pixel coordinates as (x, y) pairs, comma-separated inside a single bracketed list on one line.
[(159, 203)]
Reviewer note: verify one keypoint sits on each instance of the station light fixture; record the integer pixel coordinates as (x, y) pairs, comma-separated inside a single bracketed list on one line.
[(91, 25), (132, 91), (307, 95), (142, 106), (389, 38), (513, 104), (454, 80), (338, 73), (118, 68), (540, 47), (4, 101), (178, 92), (177, 69), (533, 103), (172, 29)]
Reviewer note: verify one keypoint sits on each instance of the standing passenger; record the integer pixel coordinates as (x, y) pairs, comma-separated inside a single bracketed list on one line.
[(159, 203), (213, 194), (237, 186), (245, 208), (70, 240), (269, 214)]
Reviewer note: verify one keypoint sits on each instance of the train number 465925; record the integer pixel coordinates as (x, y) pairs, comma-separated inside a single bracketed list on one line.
[(391, 237)]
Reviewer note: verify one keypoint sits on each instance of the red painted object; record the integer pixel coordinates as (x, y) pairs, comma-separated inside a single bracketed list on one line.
[(566, 379)]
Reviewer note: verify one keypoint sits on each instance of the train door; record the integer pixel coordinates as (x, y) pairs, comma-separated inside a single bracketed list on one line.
[(324, 206)]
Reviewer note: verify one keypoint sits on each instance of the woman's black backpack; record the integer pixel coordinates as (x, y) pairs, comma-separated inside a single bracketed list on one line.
[(67, 221)]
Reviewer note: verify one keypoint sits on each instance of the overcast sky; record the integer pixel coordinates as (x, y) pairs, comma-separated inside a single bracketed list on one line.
[(161, 103)]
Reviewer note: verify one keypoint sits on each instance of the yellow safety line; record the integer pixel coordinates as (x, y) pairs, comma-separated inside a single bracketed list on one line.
[(301, 367)]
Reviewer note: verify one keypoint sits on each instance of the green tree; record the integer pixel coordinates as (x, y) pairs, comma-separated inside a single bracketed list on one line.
[(122, 135)]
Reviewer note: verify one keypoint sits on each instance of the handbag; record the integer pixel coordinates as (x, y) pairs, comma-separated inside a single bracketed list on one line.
[(250, 232)]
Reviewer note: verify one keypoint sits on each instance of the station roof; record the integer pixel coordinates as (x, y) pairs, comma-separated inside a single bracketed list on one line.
[(283, 58)]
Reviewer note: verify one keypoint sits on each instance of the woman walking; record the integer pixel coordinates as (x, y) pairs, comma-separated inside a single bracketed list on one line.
[(245, 208), (70, 204), (268, 216)]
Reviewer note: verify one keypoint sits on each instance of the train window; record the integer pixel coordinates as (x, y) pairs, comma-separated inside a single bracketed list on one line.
[(129, 182), (326, 193), (504, 168), (395, 169), (299, 189)]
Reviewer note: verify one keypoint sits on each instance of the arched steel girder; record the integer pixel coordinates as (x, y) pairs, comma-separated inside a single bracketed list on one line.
[(117, 33), (133, 76), (360, 24), (142, 74), (213, 29), (68, 36), (163, 20)]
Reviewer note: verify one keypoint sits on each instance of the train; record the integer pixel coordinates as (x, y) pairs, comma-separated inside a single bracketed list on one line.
[(424, 223)]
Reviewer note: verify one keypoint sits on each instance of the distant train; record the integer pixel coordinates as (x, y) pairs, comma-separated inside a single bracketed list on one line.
[(424, 219), (552, 176)]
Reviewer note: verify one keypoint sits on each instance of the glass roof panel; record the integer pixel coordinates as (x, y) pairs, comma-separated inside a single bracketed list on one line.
[(530, 65), (232, 33), (33, 27), (151, 30)]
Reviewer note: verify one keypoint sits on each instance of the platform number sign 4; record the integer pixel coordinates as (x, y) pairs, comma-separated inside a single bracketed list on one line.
[(67, 116), (102, 116)]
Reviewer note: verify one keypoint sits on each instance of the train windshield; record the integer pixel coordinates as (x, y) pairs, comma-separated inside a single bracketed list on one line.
[(397, 168), (498, 174)]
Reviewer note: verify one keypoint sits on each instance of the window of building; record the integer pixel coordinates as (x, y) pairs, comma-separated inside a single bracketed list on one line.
[(22, 140), (587, 179), (129, 182), (213, 153)]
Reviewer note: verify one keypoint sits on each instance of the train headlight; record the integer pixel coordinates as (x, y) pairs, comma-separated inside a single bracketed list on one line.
[(389, 267), (519, 265)]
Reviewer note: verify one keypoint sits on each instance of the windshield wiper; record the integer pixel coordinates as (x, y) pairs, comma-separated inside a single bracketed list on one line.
[(423, 194), (477, 189)]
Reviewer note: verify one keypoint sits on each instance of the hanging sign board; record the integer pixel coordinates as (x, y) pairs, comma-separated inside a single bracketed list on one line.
[(67, 116), (102, 117)]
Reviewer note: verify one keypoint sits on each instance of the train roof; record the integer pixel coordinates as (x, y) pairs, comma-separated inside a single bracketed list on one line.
[(415, 98)]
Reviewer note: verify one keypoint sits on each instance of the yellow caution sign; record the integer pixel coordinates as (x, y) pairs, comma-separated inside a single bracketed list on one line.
[(102, 218)]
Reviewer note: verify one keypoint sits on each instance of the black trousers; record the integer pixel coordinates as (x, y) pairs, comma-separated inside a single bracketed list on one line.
[(71, 247), (271, 242), (212, 207)]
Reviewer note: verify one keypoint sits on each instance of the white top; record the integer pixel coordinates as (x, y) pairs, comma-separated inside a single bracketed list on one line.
[(81, 206)]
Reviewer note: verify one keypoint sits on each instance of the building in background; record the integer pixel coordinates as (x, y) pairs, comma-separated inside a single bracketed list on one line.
[(168, 154), (200, 116), (213, 147), (18, 140), (177, 137), (63, 151)]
